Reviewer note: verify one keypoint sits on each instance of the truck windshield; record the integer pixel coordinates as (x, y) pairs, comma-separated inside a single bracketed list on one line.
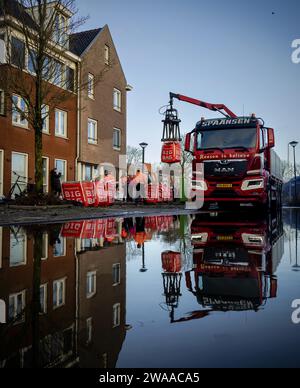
[(227, 138)]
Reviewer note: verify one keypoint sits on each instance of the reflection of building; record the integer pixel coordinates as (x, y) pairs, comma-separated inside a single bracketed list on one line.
[(79, 319), (101, 304), (53, 342)]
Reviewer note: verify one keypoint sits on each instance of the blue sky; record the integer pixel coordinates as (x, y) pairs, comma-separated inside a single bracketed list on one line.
[(232, 52)]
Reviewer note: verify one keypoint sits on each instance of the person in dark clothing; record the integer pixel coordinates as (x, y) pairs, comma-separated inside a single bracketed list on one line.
[(55, 182)]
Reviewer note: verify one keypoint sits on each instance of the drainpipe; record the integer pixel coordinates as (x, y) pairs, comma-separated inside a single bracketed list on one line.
[(78, 121)]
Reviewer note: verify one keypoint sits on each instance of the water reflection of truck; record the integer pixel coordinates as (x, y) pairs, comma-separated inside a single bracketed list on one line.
[(235, 262)]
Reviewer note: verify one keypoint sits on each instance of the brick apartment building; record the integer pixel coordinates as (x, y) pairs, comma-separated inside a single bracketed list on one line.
[(102, 103), (86, 130)]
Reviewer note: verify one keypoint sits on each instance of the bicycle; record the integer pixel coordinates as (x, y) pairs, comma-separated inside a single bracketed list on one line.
[(16, 189)]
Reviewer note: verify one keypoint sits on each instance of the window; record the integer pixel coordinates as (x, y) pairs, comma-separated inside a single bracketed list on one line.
[(43, 299), (117, 139), (117, 100), (17, 53), (45, 175), (31, 61), (60, 30), (91, 86), (89, 330), (116, 274), (19, 167), (2, 49), (106, 54), (91, 280), (18, 249), (1, 171), (59, 248), (58, 74), (17, 306), (70, 79), (61, 121), (116, 315), (2, 102), (19, 110), (61, 166), (92, 131), (88, 173), (45, 116), (59, 293)]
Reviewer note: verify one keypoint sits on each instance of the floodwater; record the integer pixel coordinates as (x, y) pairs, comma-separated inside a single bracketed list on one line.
[(216, 290)]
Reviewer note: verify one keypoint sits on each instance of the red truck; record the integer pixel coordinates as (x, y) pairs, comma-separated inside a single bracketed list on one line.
[(239, 165)]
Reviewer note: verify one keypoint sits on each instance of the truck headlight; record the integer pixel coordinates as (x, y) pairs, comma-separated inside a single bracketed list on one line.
[(199, 185), (253, 239), (200, 237), (253, 184)]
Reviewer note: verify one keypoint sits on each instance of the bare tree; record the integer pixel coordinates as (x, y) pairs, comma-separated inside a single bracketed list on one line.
[(45, 27), (134, 155)]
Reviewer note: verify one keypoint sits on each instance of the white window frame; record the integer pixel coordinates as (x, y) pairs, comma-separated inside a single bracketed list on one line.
[(45, 287), (64, 242), (66, 168), (2, 102), (116, 315), (118, 282), (18, 122), (26, 166), (90, 140), (117, 148), (1, 172), (93, 275), (91, 86), (14, 296), (61, 132), (46, 122), (45, 246), (63, 283), (118, 104), (107, 54), (46, 184), (24, 261)]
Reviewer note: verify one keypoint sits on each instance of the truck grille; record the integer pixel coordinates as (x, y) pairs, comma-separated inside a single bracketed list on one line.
[(224, 194), (223, 168)]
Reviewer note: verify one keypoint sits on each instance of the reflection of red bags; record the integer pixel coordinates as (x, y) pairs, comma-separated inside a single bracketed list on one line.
[(171, 261), (151, 223), (72, 229), (88, 231), (100, 229)]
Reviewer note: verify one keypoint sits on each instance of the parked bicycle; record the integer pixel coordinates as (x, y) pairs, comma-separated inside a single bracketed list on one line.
[(17, 189)]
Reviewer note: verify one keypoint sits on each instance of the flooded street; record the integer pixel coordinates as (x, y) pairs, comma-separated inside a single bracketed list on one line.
[(212, 290)]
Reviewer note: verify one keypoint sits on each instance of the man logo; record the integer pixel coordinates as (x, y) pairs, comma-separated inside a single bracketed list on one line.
[(224, 162), (2, 311), (296, 313)]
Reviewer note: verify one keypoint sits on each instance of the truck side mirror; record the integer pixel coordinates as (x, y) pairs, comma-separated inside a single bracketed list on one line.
[(271, 138), (187, 146)]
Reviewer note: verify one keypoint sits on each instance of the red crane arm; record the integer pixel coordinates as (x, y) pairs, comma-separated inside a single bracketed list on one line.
[(213, 107)]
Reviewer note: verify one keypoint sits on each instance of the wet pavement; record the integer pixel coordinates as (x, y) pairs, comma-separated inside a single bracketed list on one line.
[(213, 290)]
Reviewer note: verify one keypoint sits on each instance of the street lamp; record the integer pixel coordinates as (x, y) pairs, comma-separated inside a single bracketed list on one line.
[(143, 269), (294, 145), (143, 146)]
